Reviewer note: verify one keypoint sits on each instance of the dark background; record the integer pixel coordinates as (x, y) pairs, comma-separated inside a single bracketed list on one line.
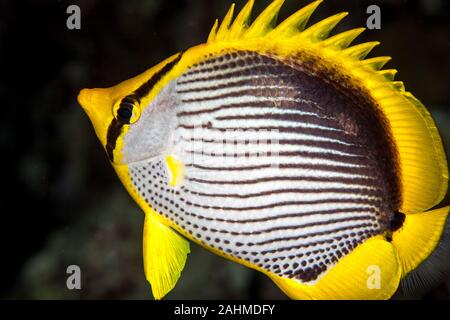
[(61, 202)]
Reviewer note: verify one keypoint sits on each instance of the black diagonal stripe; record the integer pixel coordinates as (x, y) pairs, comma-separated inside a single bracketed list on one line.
[(309, 225), (145, 88), (362, 181), (284, 104), (294, 118), (367, 218), (115, 128), (238, 83), (220, 76), (357, 160), (314, 234), (212, 66), (352, 191), (367, 234), (256, 92), (286, 203), (271, 218), (366, 170), (320, 132), (244, 168), (324, 144)]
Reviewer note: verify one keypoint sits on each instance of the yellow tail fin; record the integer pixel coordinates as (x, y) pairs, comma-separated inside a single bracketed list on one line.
[(418, 237)]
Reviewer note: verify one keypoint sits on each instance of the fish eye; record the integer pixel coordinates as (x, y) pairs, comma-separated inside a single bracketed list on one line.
[(124, 113), (127, 111)]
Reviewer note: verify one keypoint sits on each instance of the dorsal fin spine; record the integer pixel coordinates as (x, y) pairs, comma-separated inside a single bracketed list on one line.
[(296, 22), (213, 32), (242, 21), (376, 63), (360, 51), (388, 74), (343, 39), (399, 85), (225, 25), (265, 22), (292, 30), (322, 29)]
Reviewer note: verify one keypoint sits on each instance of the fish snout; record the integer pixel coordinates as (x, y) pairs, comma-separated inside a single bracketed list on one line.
[(84, 99), (98, 106)]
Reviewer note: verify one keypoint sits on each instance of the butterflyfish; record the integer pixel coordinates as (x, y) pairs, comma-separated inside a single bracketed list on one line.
[(282, 148)]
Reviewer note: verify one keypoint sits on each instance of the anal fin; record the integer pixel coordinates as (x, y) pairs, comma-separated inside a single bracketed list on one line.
[(370, 272), (165, 253)]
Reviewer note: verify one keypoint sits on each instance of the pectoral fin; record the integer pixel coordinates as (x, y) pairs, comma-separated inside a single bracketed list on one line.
[(176, 170), (165, 253)]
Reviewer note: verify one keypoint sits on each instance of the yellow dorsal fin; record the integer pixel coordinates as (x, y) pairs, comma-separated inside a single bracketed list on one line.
[(322, 29), (296, 22), (222, 33), (165, 253), (213, 33), (360, 51), (343, 39), (388, 74), (242, 21), (266, 21), (376, 63), (399, 85)]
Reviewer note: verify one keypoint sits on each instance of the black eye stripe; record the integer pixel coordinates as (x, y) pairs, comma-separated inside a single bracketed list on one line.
[(116, 125), (124, 114), (145, 88), (125, 110), (131, 99), (127, 105)]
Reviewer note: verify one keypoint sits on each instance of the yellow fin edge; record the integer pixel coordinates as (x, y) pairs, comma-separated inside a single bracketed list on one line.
[(370, 272), (418, 237)]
